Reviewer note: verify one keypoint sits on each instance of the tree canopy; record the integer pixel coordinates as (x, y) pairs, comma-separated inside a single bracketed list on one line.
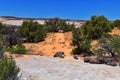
[(109, 45), (116, 23), (56, 24), (32, 31), (96, 27), (92, 29), (81, 41)]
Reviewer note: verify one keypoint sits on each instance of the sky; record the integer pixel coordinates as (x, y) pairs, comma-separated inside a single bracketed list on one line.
[(65, 9)]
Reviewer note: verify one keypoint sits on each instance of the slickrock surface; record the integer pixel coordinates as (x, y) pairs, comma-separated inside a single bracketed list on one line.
[(46, 68)]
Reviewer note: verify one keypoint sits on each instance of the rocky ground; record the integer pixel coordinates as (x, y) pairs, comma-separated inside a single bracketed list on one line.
[(37, 67), (48, 68)]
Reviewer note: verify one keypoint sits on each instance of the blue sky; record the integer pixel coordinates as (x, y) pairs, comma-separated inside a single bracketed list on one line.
[(70, 9)]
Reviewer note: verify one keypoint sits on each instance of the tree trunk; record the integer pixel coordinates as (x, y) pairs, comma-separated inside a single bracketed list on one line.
[(112, 54)]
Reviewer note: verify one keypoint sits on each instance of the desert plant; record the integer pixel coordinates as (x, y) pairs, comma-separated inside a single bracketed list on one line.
[(32, 31), (109, 45), (81, 41), (10, 36), (19, 49), (56, 24), (96, 27), (8, 68), (92, 29), (116, 23)]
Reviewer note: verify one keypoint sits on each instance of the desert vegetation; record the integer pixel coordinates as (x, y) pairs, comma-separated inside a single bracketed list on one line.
[(8, 68), (31, 32), (91, 30), (116, 23), (97, 29), (105, 51), (57, 24)]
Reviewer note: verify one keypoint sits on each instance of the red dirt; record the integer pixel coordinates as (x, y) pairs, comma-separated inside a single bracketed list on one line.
[(115, 31), (54, 42)]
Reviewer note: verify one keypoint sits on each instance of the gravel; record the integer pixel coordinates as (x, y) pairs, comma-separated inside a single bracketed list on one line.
[(47, 68)]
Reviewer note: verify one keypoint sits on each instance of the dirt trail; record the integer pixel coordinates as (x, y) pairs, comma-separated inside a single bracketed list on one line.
[(54, 42)]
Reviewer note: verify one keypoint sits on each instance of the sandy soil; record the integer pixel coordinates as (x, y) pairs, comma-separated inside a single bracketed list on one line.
[(54, 42), (115, 31)]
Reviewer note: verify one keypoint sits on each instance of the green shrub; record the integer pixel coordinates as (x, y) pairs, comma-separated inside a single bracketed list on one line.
[(56, 24), (116, 23), (93, 29), (19, 49), (8, 69), (32, 31), (109, 45), (81, 41), (75, 51), (97, 27)]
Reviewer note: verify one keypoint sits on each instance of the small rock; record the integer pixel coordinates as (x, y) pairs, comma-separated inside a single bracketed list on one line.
[(59, 54), (75, 57), (86, 59), (100, 60), (94, 61), (109, 60), (111, 63)]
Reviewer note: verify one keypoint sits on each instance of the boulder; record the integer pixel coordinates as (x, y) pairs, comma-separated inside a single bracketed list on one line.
[(75, 57), (60, 31), (100, 60), (111, 63), (119, 63), (109, 60), (59, 54), (94, 61), (87, 59)]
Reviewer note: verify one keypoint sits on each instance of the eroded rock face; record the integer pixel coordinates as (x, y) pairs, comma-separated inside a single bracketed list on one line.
[(59, 54)]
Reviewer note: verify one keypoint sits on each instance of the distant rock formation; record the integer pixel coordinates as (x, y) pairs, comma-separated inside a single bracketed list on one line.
[(10, 20)]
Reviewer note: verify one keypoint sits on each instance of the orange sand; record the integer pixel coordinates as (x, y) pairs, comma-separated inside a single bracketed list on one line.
[(54, 42)]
